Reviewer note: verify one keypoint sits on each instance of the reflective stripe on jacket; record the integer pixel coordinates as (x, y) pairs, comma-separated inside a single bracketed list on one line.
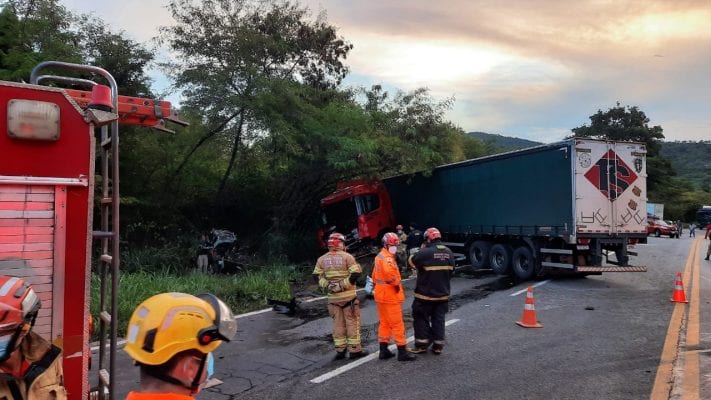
[(44, 376), (435, 265), (337, 266), (386, 278)]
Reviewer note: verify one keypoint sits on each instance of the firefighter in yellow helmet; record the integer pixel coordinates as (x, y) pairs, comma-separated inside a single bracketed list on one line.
[(30, 367), (171, 336), (337, 271)]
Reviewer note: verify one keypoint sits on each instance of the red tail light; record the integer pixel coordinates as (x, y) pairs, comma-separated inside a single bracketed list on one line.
[(584, 240), (632, 241)]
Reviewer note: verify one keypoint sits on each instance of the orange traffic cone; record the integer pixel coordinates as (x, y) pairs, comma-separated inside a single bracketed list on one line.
[(679, 295), (528, 320)]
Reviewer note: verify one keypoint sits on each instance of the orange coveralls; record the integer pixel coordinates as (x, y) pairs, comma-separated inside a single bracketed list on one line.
[(389, 295)]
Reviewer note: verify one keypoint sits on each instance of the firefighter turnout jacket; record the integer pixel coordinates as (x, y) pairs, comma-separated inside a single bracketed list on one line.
[(435, 266), (338, 269), (386, 278), (42, 379)]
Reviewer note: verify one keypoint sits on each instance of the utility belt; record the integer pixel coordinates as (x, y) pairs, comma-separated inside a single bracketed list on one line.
[(429, 298), (351, 303)]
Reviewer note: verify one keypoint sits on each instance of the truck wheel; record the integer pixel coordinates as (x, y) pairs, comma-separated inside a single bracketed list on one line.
[(479, 254), (657, 233), (522, 263), (500, 258)]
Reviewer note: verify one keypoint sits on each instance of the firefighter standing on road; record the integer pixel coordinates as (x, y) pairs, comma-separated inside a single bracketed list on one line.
[(389, 296), (708, 236), (338, 271), (435, 266), (30, 367), (171, 336)]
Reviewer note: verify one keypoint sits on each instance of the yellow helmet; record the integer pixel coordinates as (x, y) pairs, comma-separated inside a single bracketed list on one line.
[(169, 323)]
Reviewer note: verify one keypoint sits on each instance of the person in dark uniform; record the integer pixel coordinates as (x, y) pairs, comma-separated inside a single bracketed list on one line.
[(414, 239), (435, 265)]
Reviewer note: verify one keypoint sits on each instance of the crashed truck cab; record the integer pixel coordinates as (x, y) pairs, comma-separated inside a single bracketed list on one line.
[(47, 189)]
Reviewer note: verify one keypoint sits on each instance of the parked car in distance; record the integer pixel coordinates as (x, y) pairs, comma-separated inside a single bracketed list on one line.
[(659, 228)]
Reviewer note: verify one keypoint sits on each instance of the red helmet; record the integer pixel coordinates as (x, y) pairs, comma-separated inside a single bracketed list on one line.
[(432, 234), (19, 303), (390, 239), (336, 240)]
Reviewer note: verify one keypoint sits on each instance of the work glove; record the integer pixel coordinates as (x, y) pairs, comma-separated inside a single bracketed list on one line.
[(335, 287)]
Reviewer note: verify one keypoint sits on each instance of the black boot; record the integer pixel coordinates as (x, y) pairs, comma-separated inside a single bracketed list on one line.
[(385, 353), (340, 355), (358, 354), (404, 355)]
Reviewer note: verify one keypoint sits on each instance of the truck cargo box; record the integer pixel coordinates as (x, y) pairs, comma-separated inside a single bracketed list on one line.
[(574, 187)]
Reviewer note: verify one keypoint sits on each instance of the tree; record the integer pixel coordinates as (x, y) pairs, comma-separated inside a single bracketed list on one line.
[(32, 31), (124, 58), (625, 123), (229, 51)]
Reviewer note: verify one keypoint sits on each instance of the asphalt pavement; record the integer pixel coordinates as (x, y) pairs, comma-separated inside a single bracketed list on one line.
[(615, 336)]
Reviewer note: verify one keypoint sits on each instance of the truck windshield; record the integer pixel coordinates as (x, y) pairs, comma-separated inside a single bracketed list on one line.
[(342, 215)]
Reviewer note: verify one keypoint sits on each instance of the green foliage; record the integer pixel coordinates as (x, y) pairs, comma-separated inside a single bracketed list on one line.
[(503, 143), (691, 160), (244, 292), (623, 123), (124, 58), (33, 31)]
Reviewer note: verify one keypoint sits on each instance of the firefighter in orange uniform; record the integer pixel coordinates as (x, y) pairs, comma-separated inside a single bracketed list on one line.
[(389, 295), (338, 271), (30, 367), (171, 336)]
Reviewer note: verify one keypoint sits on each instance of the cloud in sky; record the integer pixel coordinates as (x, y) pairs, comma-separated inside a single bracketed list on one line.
[(532, 69)]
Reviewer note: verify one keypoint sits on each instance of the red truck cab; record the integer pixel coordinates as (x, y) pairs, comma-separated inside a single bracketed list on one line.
[(359, 209)]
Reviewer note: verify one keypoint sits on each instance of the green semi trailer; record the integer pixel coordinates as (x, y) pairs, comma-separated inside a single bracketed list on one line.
[(576, 205)]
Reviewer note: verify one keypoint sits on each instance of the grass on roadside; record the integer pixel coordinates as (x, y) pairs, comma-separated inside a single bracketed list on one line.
[(243, 292)]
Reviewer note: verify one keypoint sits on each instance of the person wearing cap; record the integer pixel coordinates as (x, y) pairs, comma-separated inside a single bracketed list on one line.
[(30, 366), (435, 266), (171, 337), (337, 272)]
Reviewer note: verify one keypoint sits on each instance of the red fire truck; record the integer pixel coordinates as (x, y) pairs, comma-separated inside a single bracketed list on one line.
[(48, 143)]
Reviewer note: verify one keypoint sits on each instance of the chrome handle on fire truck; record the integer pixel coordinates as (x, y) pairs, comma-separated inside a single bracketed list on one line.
[(35, 77)]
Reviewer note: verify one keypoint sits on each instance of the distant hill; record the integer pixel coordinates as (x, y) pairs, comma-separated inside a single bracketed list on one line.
[(505, 143), (691, 161)]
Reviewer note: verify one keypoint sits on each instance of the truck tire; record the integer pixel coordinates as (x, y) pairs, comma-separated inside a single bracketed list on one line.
[(500, 258), (522, 263), (479, 254)]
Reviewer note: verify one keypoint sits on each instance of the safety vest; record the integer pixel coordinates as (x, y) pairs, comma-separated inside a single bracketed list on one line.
[(435, 265), (386, 278), (337, 265)]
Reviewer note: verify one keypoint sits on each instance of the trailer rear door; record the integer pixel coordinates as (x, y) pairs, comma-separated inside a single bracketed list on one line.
[(610, 187)]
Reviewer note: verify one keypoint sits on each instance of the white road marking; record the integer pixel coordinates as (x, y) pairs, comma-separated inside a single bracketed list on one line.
[(119, 343), (524, 290), (363, 360)]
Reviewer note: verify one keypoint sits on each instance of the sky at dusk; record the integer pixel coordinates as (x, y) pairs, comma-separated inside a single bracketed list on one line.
[(522, 68)]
